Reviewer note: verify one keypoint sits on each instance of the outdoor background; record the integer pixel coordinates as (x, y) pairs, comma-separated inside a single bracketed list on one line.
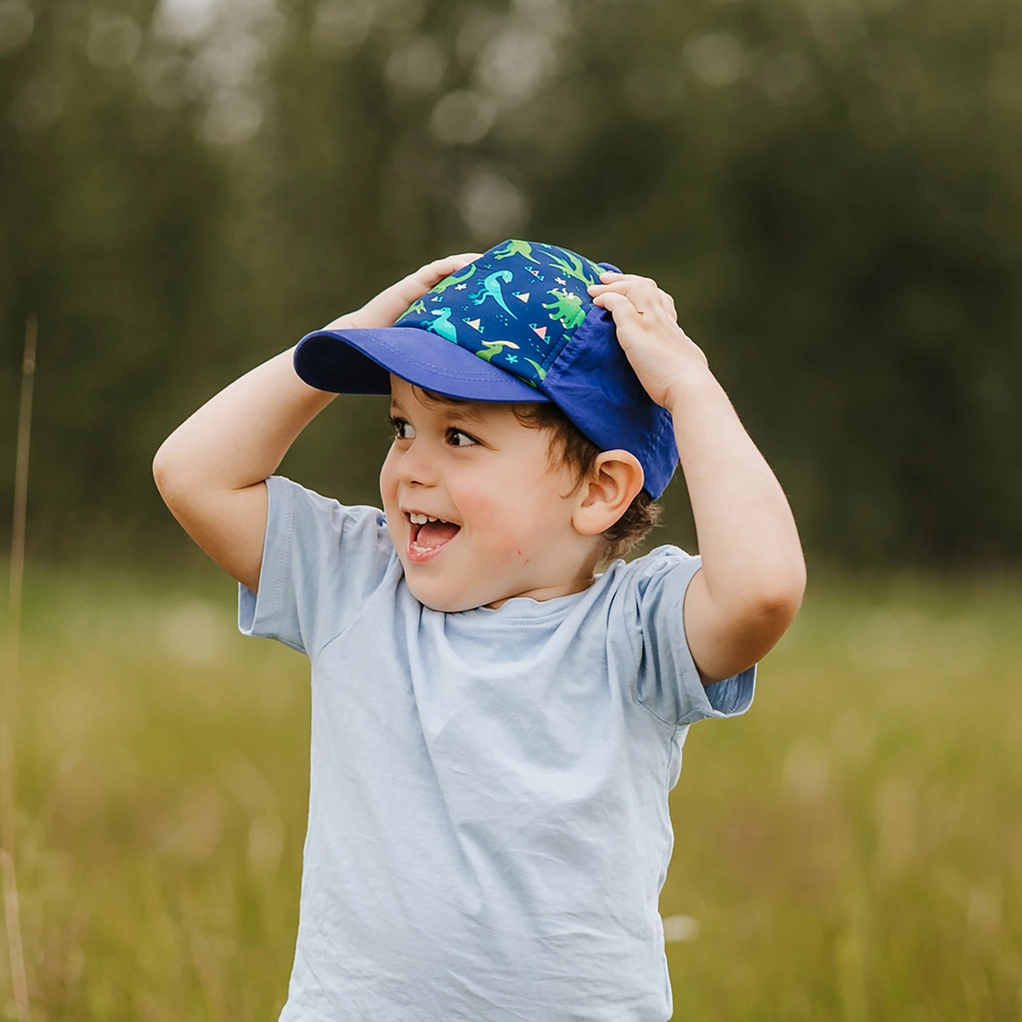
[(832, 191)]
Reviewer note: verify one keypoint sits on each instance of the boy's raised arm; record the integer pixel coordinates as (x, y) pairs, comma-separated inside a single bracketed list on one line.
[(210, 470), (753, 573)]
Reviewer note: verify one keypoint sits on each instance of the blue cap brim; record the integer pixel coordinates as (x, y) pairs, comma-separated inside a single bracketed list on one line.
[(359, 361)]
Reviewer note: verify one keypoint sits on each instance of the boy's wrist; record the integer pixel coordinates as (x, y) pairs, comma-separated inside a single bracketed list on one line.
[(690, 382)]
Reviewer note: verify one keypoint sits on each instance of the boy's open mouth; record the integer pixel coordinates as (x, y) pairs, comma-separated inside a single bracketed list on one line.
[(428, 535)]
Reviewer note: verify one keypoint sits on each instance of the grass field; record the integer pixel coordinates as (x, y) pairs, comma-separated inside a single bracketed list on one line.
[(849, 850)]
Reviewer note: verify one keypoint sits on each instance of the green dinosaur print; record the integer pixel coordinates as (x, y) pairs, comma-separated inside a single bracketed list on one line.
[(491, 289), (576, 268), (415, 309), (513, 248), (539, 369), (494, 348), (443, 326), (454, 278), (567, 309)]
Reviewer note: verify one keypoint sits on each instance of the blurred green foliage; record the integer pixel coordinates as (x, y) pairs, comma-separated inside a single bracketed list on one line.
[(832, 190)]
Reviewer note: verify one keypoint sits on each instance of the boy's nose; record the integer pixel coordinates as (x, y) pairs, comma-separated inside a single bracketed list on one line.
[(415, 468)]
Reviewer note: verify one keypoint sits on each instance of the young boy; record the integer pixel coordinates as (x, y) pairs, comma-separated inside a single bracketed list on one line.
[(495, 727)]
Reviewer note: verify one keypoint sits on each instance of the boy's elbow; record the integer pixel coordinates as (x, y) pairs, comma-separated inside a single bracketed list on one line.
[(791, 587), (159, 469), (777, 602), (748, 628), (169, 471), (163, 469), (779, 609)]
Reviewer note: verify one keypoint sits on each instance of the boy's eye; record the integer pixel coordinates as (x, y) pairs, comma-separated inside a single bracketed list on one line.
[(457, 438), (403, 429)]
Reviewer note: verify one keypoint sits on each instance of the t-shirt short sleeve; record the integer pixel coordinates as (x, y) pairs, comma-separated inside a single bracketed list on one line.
[(321, 560), (668, 682)]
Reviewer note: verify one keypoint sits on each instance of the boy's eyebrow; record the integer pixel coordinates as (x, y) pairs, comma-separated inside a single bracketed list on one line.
[(454, 410), (464, 412)]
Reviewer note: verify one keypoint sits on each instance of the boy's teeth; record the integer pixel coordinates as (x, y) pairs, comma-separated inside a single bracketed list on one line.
[(417, 519)]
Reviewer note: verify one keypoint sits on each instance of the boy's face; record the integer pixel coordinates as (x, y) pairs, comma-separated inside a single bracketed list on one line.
[(504, 509)]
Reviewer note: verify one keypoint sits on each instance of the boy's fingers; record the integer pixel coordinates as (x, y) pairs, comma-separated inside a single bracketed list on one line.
[(448, 264), (620, 307), (438, 269), (625, 284), (455, 262), (610, 276), (641, 292)]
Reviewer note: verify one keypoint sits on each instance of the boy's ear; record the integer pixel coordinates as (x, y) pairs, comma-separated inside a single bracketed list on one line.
[(605, 496)]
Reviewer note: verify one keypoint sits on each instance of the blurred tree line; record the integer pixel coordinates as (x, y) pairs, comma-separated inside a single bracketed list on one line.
[(831, 189)]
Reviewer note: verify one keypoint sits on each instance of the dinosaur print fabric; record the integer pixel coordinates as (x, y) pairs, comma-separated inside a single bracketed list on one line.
[(517, 307)]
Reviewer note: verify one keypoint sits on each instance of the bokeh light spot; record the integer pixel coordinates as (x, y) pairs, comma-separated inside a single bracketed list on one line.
[(16, 24), (342, 25), (416, 66), (717, 58), (491, 205), (232, 118), (113, 41), (462, 117)]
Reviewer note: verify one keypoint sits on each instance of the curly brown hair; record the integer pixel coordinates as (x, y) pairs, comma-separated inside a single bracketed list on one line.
[(579, 453)]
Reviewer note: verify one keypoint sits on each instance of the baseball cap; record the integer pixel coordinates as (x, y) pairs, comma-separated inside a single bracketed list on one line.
[(516, 325)]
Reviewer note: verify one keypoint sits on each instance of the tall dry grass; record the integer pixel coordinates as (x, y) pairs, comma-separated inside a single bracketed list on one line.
[(849, 850)]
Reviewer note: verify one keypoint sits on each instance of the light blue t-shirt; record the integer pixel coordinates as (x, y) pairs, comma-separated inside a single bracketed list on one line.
[(488, 824)]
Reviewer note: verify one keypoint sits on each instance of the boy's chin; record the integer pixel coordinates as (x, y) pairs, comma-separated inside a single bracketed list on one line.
[(441, 602)]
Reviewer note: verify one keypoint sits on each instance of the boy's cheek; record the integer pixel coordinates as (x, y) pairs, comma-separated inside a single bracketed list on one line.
[(388, 479), (480, 505), (388, 498)]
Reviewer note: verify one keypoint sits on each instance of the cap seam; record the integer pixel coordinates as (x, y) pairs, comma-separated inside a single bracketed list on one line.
[(460, 375)]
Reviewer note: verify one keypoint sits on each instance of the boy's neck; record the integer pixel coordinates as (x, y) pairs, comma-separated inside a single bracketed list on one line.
[(547, 592), (583, 579)]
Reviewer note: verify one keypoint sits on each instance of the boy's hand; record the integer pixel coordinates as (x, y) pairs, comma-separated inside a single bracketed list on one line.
[(658, 349), (385, 308)]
